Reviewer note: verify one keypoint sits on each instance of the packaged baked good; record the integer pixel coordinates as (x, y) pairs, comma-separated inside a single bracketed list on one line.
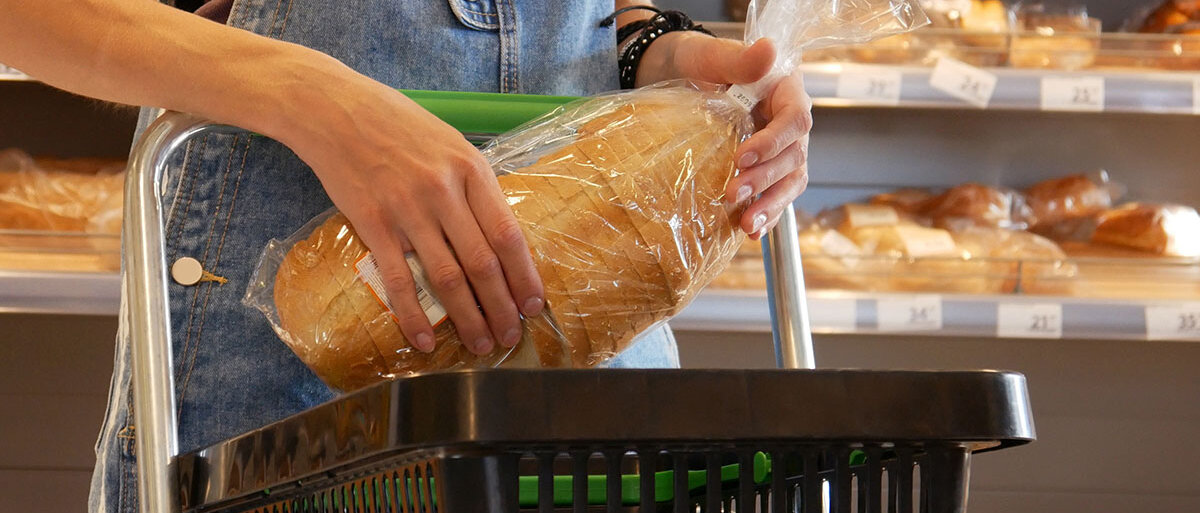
[(71, 195), (1064, 200), (1158, 229), (903, 200), (977, 204), (1054, 38), (620, 198), (1018, 262)]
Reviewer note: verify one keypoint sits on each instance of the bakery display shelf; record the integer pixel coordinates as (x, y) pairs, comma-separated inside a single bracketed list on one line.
[(1149, 92), (59, 272), (974, 315), (60, 292), (950, 68)]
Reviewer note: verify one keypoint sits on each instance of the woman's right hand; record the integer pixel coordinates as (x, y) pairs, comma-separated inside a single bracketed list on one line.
[(410, 182)]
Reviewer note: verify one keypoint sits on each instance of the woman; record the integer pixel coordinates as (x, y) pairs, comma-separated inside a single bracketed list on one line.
[(318, 78)]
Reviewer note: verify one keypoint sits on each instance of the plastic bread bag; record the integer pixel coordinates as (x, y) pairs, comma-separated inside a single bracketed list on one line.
[(620, 198), (75, 195), (1058, 205), (978, 204)]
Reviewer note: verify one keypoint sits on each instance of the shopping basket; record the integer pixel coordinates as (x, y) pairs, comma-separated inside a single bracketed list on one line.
[(790, 440)]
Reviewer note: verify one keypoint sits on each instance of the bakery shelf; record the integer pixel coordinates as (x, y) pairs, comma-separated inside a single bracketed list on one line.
[(985, 315), (50, 292), (1151, 92), (1110, 72)]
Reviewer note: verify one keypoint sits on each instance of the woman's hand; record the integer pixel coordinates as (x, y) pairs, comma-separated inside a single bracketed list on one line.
[(773, 162), (408, 181)]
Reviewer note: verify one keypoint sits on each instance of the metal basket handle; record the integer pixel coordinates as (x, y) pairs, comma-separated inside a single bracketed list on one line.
[(145, 284)]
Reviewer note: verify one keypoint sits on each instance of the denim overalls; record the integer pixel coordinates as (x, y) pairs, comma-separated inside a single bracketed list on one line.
[(227, 195)]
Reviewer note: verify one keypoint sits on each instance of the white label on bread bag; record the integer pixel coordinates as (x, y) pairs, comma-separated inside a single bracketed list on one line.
[(912, 313), (743, 96), (871, 215), (1079, 94), (879, 87), (926, 242), (1041, 320), (368, 272), (963, 81), (1173, 322)]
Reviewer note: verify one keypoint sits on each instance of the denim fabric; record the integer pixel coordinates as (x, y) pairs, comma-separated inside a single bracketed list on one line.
[(226, 195)]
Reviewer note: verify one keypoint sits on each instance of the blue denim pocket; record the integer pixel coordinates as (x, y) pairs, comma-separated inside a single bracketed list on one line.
[(477, 14)]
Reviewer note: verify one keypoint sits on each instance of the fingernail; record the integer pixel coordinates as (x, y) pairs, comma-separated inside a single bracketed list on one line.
[(533, 306), (483, 345), (512, 337), (759, 221), (747, 160), (424, 342), (761, 233), (743, 193)]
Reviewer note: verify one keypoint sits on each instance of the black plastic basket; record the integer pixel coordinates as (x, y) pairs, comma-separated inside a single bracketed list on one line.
[(686, 440)]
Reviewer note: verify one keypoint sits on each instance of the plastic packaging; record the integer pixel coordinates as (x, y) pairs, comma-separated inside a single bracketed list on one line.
[(1054, 38), (1061, 207), (76, 195), (981, 205), (1167, 230), (620, 197)]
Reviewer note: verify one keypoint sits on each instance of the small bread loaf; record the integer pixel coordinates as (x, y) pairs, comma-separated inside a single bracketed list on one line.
[(1069, 197), (625, 223), (977, 204), (1169, 230)]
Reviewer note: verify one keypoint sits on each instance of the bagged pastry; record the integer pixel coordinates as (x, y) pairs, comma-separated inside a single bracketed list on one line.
[(1167, 230), (71, 195), (1064, 200), (977, 204), (620, 198)]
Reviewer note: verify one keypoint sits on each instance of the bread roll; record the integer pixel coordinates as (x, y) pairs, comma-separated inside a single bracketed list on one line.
[(903, 200), (977, 204), (1169, 230), (1059, 199), (626, 221)]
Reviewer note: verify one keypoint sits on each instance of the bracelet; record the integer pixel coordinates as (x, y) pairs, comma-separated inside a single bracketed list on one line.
[(647, 31)]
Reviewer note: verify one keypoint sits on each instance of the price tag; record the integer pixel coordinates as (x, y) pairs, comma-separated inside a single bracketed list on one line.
[(1173, 322), (1081, 94), (913, 313), (963, 81), (833, 314), (879, 87), (1042, 320), (1196, 96)]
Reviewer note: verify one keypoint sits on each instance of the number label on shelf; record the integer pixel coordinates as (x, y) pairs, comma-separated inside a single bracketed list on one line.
[(1081, 94), (963, 81), (913, 313), (880, 87), (838, 315), (1173, 322), (1196, 96), (1042, 320)]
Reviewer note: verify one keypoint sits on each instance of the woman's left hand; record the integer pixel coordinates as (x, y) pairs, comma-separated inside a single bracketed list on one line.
[(772, 162)]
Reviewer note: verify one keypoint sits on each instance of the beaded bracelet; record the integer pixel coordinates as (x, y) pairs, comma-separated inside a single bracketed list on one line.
[(630, 54)]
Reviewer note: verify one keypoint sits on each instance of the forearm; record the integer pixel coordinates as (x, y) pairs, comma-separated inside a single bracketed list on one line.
[(141, 52)]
